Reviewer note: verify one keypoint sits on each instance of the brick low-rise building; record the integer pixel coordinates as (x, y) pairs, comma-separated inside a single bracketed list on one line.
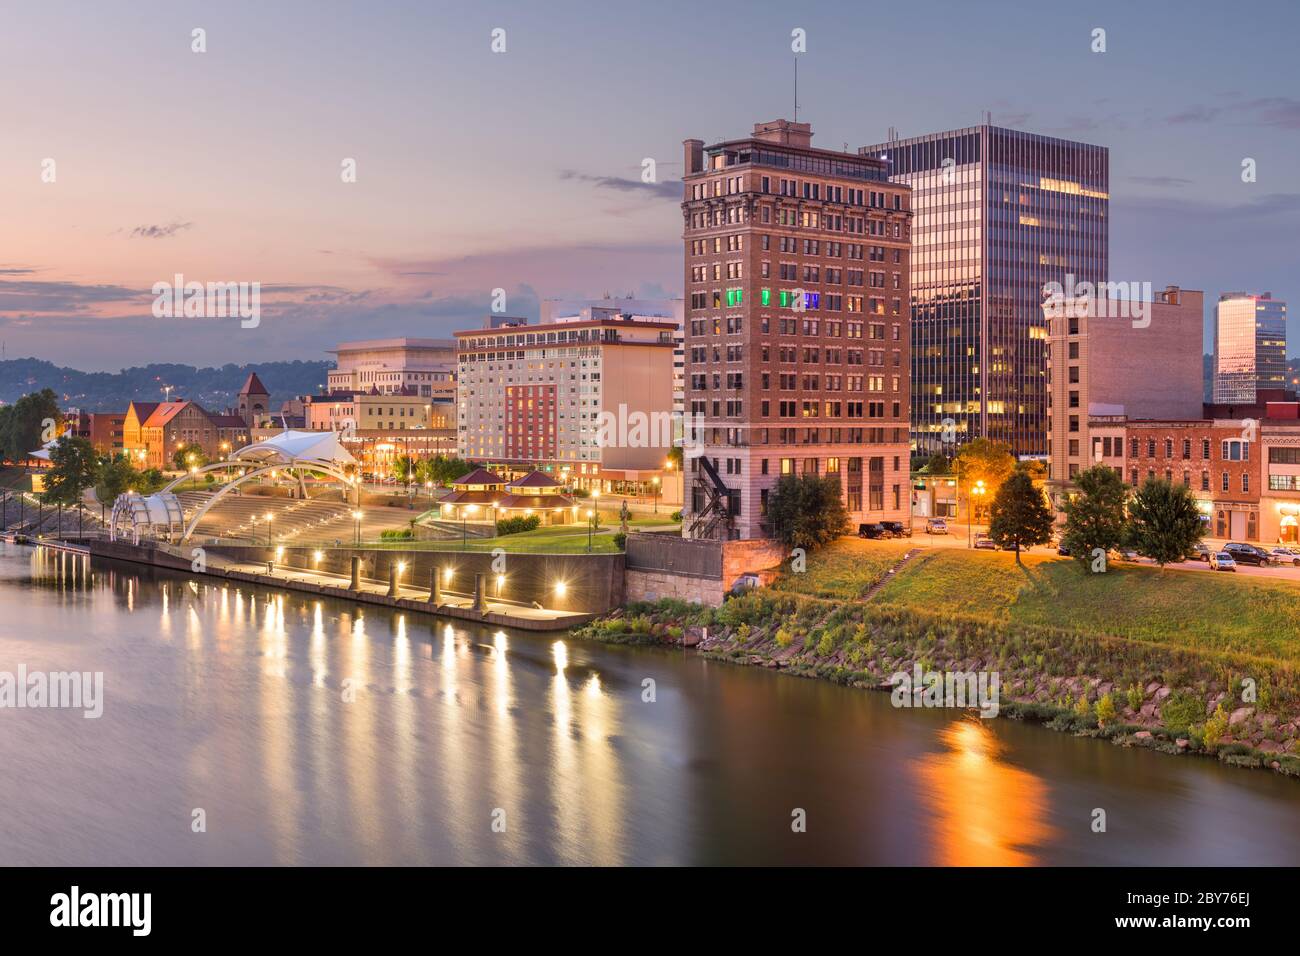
[(1218, 459)]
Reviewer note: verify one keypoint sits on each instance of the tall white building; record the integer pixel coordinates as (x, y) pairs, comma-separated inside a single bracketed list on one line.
[(562, 310), (1249, 346), (588, 399)]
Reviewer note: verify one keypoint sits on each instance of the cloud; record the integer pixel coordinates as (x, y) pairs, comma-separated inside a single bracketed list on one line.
[(1159, 181), (1279, 112), (671, 189), (160, 232)]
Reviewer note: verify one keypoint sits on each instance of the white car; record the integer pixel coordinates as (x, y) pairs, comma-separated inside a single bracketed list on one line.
[(1222, 562), (1285, 556)]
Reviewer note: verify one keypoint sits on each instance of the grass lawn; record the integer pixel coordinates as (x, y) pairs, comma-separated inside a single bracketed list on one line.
[(845, 568), (1186, 608), (557, 539)]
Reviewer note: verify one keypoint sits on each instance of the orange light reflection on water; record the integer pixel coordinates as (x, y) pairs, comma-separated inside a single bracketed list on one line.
[(988, 813)]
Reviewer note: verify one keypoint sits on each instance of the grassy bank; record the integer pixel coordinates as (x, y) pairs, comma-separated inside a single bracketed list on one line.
[(1146, 658)]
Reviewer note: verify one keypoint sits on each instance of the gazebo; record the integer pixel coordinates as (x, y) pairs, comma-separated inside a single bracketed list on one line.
[(158, 516), (480, 489), (539, 494)]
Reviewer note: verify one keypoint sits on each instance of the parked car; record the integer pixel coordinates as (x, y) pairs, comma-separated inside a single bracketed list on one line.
[(871, 530), (1200, 552), (1285, 556), (1247, 553), (1126, 554), (936, 526), (1222, 562), (896, 529), (984, 543), (1062, 548)]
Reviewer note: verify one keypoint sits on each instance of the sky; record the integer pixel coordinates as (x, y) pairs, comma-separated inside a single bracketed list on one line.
[(522, 170)]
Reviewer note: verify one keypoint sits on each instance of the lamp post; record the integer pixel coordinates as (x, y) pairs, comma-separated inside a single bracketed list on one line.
[(971, 493), (356, 517), (591, 526), (269, 518), (655, 481)]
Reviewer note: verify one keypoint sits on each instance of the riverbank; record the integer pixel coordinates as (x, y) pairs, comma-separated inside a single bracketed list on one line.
[(1183, 664)]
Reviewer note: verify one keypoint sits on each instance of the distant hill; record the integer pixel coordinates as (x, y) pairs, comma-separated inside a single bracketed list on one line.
[(213, 388)]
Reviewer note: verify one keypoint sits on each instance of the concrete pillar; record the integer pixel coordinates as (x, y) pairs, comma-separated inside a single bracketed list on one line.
[(355, 585), (392, 580), (435, 586), (480, 604)]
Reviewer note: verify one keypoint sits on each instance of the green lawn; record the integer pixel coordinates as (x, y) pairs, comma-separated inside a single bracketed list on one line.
[(558, 539), (1194, 609), (844, 569)]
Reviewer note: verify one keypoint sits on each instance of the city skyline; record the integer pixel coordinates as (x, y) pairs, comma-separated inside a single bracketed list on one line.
[(249, 187)]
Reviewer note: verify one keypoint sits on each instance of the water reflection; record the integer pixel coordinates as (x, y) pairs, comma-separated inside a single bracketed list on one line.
[(318, 732), (987, 812)]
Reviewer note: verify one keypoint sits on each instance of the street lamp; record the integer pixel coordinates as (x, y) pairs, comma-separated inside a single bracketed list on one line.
[(357, 516), (655, 482), (269, 518), (591, 525), (977, 491)]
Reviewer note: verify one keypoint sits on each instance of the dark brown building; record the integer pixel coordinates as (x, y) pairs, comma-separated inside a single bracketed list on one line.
[(797, 327)]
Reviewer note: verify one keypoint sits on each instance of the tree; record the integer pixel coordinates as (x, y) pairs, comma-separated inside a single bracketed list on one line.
[(28, 424), (1095, 518), (1020, 516), (404, 468), (73, 468), (936, 464), (443, 469), (806, 510), (983, 460), (116, 476), (1164, 521), (189, 456)]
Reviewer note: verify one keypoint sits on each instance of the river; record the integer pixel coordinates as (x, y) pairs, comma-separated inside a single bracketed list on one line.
[(247, 726)]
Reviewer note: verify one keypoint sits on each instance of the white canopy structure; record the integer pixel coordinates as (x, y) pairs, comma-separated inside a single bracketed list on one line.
[(297, 448), (292, 452), (43, 453), (157, 515)]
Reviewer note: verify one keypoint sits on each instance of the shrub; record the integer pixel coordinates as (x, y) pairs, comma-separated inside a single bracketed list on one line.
[(1135, 695), (518, 523), (396, 534), (1216, 727), (1105, 709), (784, 637), (620, 540), (1181, 710), (676, 515)]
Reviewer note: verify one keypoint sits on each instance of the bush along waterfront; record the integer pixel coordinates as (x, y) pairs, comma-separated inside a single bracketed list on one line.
[(1239, 708)]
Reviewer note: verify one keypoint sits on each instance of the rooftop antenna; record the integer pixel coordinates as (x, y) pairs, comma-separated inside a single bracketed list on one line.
[(796, 88)]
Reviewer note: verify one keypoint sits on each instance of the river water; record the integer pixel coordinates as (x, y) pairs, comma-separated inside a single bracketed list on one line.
[(246, 726)]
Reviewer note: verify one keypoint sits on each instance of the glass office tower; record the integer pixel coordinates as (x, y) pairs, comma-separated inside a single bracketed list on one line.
[(998, 214), (1249, 346)]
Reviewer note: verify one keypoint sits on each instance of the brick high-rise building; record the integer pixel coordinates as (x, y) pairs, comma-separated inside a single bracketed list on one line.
[(797, 327)]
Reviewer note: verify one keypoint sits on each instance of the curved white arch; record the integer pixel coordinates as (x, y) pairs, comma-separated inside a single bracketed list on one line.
[(247, 476)]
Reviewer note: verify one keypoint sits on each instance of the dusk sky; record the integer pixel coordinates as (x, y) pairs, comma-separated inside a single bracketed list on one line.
[(521, 170)]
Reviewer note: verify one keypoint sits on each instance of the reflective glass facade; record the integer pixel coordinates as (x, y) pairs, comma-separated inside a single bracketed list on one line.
[(998, 213), (1249, 346)]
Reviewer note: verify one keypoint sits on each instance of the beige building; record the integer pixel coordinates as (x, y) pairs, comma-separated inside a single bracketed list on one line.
[(1107, 358), (588, 401), (390, 366)]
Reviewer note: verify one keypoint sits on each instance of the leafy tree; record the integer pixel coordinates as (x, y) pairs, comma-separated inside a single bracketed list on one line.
[(1164, 521), (148, 481), (28, 424), (404, 468), (1020, 516), (74, 467), (806, 510), (189, 456), (936, 464), (1095, 518), (443, 469), (983, 460), (116, 476)]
